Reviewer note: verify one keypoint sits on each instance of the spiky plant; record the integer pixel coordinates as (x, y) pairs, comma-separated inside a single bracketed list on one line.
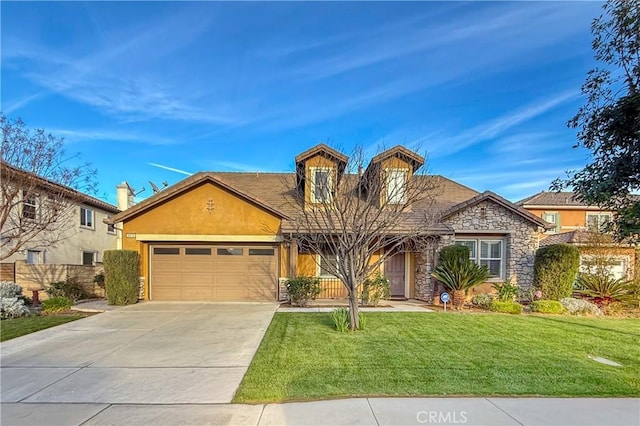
[(458, 275), (602, 288)]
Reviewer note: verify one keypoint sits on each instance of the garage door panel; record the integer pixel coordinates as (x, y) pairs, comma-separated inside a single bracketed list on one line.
[(218, 273)]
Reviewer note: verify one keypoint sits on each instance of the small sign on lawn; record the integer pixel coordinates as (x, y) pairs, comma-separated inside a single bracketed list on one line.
[(445, 298)]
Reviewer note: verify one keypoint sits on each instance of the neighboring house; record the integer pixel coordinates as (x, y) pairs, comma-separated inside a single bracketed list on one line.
[(229, 236), (582, 225), (80, 235), (564, 211)]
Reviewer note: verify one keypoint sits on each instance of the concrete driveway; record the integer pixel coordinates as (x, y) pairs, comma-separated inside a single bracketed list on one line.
[(149, 353)]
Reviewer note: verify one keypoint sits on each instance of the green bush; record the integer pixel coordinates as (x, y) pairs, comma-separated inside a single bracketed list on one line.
[(555, 269), (302, 289), (69, 288), (482, 300), (56, 304), (340, 317), (99, 279), (375, 289), (454, 252), (507, 291), (121, 276), (506, 307), (547, 307)]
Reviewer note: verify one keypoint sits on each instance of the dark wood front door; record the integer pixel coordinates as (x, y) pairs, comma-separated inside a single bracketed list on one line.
[(394, 271)]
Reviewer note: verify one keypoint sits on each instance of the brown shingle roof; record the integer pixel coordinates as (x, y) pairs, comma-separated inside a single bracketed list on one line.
[(324, 149), (62, 189), (400, 151), (579, 237), (547, 198)]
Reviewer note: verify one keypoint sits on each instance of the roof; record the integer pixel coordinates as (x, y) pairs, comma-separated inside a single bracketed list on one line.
[(580, 237), (491, 196), (188, 183), (71, 193), (400, 151), (551, 198), (321, 149)]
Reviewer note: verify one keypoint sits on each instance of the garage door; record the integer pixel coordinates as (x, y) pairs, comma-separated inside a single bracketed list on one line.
[(215, 272)]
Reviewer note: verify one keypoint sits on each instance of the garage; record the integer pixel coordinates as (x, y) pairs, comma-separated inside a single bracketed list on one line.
[(193, 272)]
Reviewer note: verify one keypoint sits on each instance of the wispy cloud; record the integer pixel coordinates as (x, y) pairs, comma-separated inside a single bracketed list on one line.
[(171, 169), (498, 126), (17, 105), (82, 135)]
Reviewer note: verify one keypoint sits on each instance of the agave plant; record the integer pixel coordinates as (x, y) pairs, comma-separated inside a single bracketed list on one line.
[(602, 288), (458, 275)]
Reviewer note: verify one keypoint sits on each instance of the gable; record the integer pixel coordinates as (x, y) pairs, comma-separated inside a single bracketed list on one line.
[(206, 208), (488, 215)]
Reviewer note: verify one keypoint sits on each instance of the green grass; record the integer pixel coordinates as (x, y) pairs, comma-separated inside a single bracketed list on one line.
[(12, 328), (409, 354)]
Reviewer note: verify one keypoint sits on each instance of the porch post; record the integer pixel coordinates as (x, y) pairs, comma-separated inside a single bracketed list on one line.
[(293, 258)]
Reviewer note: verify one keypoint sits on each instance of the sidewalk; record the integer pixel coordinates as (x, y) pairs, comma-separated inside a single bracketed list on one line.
[(356, 411)]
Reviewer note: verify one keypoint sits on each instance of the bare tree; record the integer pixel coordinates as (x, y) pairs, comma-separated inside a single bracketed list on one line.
[(39, 188), (361, 212)]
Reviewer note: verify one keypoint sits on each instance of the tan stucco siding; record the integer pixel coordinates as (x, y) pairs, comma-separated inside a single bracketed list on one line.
[(315, 162), (187, 214), (569, 219)]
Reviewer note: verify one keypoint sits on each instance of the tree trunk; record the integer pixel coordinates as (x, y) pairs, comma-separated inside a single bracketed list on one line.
[(354, 322), (458, 298)]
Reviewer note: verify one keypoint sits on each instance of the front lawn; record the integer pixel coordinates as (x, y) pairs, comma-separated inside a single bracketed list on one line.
[(12, 328), (409, 354)]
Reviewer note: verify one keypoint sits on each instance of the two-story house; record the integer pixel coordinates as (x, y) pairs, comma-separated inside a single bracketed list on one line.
[(53, 224), (583, 226), (231, 236)]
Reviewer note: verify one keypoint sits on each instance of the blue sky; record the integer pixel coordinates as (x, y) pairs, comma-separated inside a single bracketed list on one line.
[(486, 88)]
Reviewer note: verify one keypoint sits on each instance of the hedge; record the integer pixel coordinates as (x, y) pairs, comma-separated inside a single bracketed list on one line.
[(555, 270), (506, 307), (121, 272), (547, 307)]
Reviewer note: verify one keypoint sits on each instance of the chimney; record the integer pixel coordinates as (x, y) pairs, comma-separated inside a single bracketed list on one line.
[(124, 196)]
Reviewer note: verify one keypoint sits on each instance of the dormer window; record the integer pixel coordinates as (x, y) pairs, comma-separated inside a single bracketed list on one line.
[(396, 185), (321, 184)]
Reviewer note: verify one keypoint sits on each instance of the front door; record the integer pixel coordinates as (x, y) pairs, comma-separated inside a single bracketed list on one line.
[(394, 271)]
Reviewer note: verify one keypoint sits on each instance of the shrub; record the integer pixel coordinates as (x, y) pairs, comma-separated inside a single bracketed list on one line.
[(12, 303), (340, 317), (602, 288), (56, 304), (482, 300), (509, 307), (632, 297), (99, 279), (555, 269), (507, 291), (454, 252), (9, 289), (302, 289), (529, 295), (458, 275), (547, 307), (580, 306), (375, 289), (121, 276), (69, 288)]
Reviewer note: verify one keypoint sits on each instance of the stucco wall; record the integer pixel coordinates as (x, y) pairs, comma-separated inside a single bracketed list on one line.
[(75, 239)]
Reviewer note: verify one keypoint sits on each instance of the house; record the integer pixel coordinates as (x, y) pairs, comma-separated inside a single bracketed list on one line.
[(583, 226), (566, 212), (231, 236), (73, 231)]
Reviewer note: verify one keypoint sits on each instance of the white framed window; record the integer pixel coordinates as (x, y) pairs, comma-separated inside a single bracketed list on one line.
[(321, 184), (597, 221), (35, 257), (89, 257), (616, 267), (487, 252), (327, 265), (29, 205), (86, 217), (396, 182), (552, 217), (111, 228)]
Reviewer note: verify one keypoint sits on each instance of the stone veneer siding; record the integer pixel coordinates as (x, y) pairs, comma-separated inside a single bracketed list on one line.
[(521, 239)]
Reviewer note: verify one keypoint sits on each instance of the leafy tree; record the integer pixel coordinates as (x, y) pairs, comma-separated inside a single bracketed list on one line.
[(609, 122), (39, 188)]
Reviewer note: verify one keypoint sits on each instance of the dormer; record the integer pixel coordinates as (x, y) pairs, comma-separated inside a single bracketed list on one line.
[(318, 172), (389, 172)]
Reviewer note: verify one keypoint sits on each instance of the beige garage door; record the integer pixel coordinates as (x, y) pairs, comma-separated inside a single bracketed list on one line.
[(216, 272)]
